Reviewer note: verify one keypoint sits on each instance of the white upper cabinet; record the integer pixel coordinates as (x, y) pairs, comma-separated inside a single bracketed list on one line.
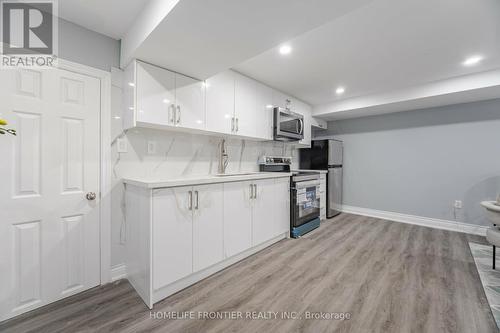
[(157, 96), (155, 89), (220, 103), (246, 115), (190, 102), (227, 103), (264, 111)]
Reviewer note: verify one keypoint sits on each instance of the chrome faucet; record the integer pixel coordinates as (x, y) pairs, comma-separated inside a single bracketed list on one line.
[(223, 157)]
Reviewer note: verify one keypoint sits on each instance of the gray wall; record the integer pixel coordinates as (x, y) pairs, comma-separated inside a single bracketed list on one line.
[(87, 47), (419, 162)]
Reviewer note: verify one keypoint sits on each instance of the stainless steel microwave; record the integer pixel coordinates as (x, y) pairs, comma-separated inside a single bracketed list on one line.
[(288, 125)]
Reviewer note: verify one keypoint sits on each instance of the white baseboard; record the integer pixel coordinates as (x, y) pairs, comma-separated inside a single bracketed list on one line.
[(417, 220), (118, 272)]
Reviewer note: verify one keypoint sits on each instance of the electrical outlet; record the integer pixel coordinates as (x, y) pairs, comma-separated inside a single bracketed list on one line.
[(458, 204), (121, 145), (151, 147)]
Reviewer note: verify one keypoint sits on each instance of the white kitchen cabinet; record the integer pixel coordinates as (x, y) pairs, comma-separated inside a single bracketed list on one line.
[(282, 207), (246, 115), (158, 97), (264, 211), (237, 217), (305, 110), (208, 226), (155, 89), (322, 200), (172, 235), (280, 99), (177, 236), (220, 103), (189, 102), (264, 111)]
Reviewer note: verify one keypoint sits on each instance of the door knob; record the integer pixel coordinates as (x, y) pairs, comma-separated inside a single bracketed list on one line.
[(91, 196)]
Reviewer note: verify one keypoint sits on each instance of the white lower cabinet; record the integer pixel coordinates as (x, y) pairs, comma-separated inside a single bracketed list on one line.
[(237, 217), (264, 211), (195, 231), (172, 235), (208, 225)]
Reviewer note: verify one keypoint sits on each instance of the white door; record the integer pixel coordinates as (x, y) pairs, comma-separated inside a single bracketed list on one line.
[(264, 211), (208, 226), (264, 112), (245, 106), (49, 231), (172, 235), (190, 102), (155, 89), (220, 103), (282, 212), (237, 218)]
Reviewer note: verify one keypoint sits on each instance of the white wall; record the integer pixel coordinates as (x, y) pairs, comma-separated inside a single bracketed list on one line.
[(178, 155)]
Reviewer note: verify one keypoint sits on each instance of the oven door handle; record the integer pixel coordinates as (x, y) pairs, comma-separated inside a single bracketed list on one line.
[(310, 183)]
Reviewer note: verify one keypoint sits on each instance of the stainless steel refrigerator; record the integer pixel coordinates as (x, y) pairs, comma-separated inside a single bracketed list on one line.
[(327, 155)]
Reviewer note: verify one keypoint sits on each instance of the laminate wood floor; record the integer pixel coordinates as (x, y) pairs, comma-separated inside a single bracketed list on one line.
[(390, 277)]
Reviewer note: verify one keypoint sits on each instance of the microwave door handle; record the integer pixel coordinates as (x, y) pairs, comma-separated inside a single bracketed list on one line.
[(301, 121)]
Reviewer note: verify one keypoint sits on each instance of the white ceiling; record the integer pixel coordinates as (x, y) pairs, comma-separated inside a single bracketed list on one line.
[(202, 38), (109, 17), (386, 45)]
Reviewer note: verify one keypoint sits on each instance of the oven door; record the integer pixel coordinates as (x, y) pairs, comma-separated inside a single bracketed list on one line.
[(305, 202), (288, 125)]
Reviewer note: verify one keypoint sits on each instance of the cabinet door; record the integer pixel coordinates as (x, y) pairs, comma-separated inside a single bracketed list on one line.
[(245, 106), (264, 112), (220, 102), (282, 215), (264, 210), (172, 235), (190, 102), (155, 88), (237, 218), (208, 226), (279, 99)]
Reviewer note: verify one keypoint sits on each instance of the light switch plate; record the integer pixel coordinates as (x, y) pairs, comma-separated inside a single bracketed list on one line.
[(151, 147), (121, 145)]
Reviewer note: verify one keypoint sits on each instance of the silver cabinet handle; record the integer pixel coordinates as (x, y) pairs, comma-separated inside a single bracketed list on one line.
[(255, 195), (237, 126), (172, 113), (232, 124), (91, 196), (196, 200), (178, 114), (251, 191), (190, 206)]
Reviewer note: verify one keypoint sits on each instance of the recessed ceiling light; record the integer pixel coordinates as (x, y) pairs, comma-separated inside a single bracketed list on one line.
[(340, 90), (471, 61), (269, 106), (285, 49), (132, 84), (166, 101)]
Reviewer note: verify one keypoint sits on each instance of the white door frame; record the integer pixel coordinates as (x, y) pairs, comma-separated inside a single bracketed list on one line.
[(105, 160)]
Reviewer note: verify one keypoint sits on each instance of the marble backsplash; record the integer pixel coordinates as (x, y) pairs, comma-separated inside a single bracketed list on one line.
[(182, 155)]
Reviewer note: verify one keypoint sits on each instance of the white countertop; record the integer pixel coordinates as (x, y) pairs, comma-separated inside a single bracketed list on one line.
[(317, 171), (202, 179)]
